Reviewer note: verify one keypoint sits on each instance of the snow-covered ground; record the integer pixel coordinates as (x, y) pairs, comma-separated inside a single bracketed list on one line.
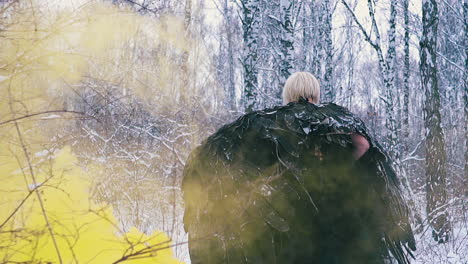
[(453, 252)]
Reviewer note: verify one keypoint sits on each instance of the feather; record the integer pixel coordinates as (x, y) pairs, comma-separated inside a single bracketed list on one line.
[(280, 186)]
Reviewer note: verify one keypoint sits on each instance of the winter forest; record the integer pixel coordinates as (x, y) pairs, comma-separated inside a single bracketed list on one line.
[(102, 101)]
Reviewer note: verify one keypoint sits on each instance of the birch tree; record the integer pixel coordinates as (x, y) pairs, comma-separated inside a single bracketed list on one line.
[(327, 48), (390, 103), (436, 190), (229, 24), (226, 56), (185, 55), (317, 45), (406, 72), (386, 68), (346, 58), (250, 25), (277, 48), (287, 44), (465, 85)]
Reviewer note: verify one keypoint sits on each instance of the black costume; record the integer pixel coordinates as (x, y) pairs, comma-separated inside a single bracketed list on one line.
[(281, 186)]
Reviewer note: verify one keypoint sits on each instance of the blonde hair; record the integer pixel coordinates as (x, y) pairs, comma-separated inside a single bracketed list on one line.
[(301, 84)]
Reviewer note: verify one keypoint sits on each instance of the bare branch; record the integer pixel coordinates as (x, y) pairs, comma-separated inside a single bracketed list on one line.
[(33, 177), (364, 32), (451, 62), (17, 208), (458, 15), (42, 113)]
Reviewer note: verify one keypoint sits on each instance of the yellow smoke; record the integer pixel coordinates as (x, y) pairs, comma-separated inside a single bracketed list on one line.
[(84, 232), (43, 52), (44, 55)]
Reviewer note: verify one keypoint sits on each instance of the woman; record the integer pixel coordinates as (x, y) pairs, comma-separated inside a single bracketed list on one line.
[(299, 183), (305, 85)]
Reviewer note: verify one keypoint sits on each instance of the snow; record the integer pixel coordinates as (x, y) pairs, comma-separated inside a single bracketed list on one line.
[(429, 251), (3, 78), (50, 117), (453, 252), (33, 186), (42, 153)]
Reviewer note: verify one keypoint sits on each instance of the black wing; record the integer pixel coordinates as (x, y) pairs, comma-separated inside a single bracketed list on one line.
[(280, 186)]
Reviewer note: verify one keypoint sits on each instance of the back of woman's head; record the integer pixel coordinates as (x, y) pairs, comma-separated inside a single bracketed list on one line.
[(301, 84)]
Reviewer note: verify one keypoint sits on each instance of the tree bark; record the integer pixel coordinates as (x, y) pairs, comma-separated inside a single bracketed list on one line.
[(287, 44), (392, 131), (406, 75), (226, 55), (250, 25), (316, 37), (327, 84), (184, 100), (436, 192), (465, 94)]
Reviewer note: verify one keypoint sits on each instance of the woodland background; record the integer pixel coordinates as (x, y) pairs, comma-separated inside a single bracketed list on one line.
[(102, 101)]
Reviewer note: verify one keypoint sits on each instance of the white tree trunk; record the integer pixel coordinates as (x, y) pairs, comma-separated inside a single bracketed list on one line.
[(250, 26)]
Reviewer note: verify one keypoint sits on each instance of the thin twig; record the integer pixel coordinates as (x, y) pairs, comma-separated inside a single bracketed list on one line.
[(364, 32), (451, 62), (39, 197), (40, 113), (33, 177), (17, 208)]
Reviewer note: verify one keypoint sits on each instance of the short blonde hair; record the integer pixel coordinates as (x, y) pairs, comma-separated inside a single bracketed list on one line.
[(301, 84)]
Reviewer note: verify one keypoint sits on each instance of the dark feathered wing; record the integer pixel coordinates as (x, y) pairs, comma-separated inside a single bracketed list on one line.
[(280, 186)]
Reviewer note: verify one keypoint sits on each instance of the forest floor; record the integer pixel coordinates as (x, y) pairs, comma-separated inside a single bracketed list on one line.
[(455, 251)]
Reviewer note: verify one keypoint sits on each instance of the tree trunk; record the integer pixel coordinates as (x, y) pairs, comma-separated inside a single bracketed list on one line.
[(230, 91), (184, 100), (436, 192), (287, 45), (389, 80), (315, 33), (250, 24), (387, 70), (406, 75), (465, 94), (327, 47)]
